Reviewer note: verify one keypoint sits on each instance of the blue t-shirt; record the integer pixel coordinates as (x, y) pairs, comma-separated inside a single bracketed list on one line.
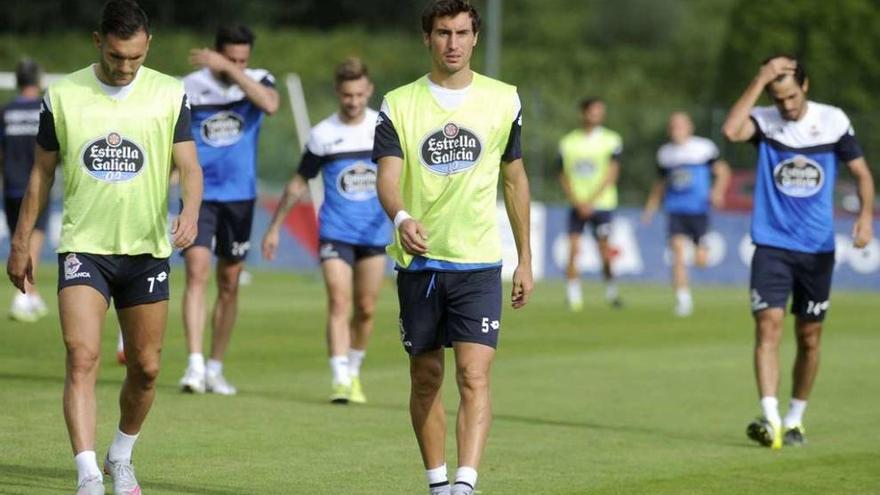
[(687, 168), (797, 167), (341, 153), (19, 123), (226, 127)]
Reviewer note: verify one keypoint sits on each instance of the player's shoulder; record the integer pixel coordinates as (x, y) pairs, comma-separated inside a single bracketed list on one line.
[(200, 80), (75, 78), (610, 134), (495, 84), (160, 77), (702, 144), (767, 117), (833, 118), (322, 129), (260, 75), (407, 89), (571, 135)]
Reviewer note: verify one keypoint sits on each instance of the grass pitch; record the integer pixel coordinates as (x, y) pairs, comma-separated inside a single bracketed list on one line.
[(599, 402)]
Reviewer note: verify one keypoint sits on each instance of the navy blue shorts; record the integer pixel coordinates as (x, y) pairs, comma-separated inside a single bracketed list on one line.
[(693, 227), (225, 228), (13, 207), (439, 308), (807, 276), (600, 223), (349, 253), (127, 280)]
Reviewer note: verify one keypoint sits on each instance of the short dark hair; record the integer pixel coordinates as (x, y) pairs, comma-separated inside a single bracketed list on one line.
[(800, 71), (233, 34), (124, 19), (589, 101), (449, 8), (351, 69), (27, 73)]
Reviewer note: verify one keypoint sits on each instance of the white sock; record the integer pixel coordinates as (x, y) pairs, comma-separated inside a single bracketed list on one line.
[(87, 466), (770, 406), (574, 290), (120, 449), (197, 361), (683, 295), (214, 367), (795, 415), (437, 476), (611, 291), (466, 474), (21, 300), (355, 359), (339, 367), (35, 301)]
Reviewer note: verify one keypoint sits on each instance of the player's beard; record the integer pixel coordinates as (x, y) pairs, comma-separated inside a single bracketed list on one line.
[(114, 77)]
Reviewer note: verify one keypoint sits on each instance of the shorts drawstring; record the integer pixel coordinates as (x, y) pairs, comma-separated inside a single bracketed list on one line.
[(431, 285)]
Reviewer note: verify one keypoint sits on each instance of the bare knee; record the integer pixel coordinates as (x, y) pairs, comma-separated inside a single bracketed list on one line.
[(808, 336), (427, 378), (82, 363), (472, 378), (144, 371), (227, 288), (365, 309), (768, 328)]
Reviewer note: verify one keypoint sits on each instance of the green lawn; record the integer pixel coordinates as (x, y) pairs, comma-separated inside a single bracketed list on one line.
[(600, 402)]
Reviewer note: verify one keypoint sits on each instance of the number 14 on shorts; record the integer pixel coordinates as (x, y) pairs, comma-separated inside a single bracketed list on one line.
[(486, 325)]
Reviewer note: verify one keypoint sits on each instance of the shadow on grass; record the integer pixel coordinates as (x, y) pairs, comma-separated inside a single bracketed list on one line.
[(685, 435), (59, 380), (51, 480)]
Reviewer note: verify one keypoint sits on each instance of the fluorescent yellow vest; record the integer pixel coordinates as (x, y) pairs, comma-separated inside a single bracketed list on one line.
[(452, 159), (116, 158), (586, 159)]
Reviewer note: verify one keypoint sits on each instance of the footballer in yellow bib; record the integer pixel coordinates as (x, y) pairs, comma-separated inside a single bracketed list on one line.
[(441, 143), (115, 127), (589, 164)]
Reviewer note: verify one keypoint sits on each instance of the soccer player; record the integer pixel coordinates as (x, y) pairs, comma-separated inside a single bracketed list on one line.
[(353, 227), (801, 145), (19, 122), (441, 143), (115, 126), (228, 102), (686, 165), (589, 162)]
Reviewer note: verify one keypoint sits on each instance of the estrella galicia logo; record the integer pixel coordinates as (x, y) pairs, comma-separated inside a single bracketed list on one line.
[(799, 176), (584, 168), (680, 179), (357, 182), (450, 150), (113, 158), (223, 128), (71, 268)]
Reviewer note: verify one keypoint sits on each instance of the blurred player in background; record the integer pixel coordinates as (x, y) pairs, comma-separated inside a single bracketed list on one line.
[(354, 229), (19, 122), (589, 162), (686, 166), (115, 127), (228, 101), (441, 143), (801, 145)]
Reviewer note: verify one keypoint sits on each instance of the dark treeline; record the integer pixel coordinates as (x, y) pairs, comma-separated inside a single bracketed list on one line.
[(647, 58), (50, 15)]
